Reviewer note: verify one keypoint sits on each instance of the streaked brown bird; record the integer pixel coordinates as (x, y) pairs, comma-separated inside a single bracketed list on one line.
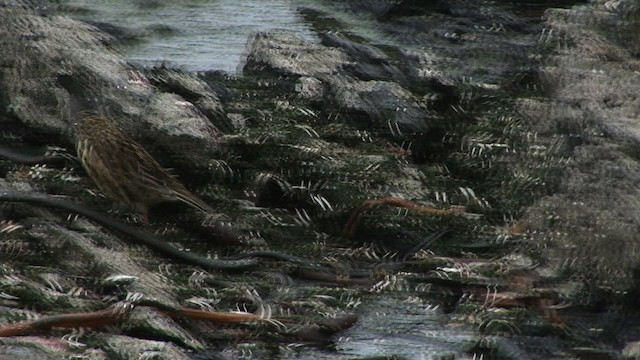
[(124, 170)]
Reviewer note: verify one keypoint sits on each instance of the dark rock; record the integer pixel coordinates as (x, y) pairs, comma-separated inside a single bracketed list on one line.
[(120, 34), (369, 62)]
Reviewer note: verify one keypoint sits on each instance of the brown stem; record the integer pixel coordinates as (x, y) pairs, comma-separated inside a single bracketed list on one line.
[(354, 220)]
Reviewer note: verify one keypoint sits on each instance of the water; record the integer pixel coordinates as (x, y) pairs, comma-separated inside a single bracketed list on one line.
[(391, 325), (195, 35)]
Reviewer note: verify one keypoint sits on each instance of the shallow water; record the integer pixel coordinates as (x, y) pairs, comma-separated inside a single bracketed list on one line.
[(193, 34), (392, 325)]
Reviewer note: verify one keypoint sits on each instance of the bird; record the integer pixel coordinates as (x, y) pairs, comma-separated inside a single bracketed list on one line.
[(124, 171)]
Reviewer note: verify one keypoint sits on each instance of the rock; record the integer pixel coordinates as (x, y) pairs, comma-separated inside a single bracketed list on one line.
[(369, 62), (590, 225), (385, 106), (132, 348), (589, 353), (284, 53), (426, 67), (632, 350), (21, 349), (310, 88), (42, 49), (194, 90), (359, 52)]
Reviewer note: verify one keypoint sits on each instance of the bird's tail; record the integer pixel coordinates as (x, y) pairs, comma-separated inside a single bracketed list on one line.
[(191, 200)]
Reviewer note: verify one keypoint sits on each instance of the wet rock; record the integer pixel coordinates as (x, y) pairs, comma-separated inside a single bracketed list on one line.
[(310, 88), (325, 329), (369, 62), (194, 90), (24, 349), (133, 348), (587, 353), (378, 8), (42, 49), (385, 106), (357, 51), (377, 103), (591, 224), (120, 33), (632, 350), (427, 68), (284, 53), (149, 321)]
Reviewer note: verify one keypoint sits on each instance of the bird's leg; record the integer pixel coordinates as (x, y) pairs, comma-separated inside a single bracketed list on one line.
[(145, 217)]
